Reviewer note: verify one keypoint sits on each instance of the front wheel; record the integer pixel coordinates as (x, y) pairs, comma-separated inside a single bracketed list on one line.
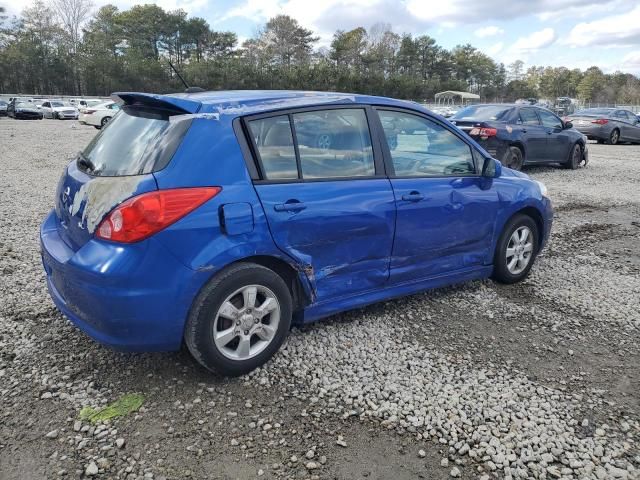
[(239, 320), (104, 121), (516, 250), (575, 158)]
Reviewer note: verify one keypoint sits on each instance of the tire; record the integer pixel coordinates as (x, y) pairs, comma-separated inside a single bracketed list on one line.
[(614, 137), (104, 121), (97, 127), (503, 269), (575, 157), (513, 158), (233, 287)]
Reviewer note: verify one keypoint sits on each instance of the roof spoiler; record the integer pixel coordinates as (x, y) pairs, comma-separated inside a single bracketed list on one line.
[(158, 101)]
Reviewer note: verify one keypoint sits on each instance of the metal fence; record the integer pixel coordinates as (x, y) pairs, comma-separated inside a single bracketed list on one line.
[(64, 98)]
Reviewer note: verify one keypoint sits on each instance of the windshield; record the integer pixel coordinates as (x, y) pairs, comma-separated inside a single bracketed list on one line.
[(595, 111), (57, 104), (24, 105), (136, 141), (482, 113)]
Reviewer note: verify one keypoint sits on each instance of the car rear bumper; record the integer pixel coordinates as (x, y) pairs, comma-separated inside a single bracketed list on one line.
[(129, 297), (594, 131)]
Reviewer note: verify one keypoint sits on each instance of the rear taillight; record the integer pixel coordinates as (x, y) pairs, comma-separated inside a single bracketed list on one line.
[(484, 132), (146, 214), (601, 121), (90, 111)]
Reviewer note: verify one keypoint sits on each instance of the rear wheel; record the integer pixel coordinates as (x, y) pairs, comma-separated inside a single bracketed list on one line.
[(614, 137), (239, 320), (575, 157), (514, 158), (516, 250)]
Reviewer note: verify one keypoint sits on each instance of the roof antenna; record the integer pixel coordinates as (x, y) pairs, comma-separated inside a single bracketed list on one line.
[(187, 87)]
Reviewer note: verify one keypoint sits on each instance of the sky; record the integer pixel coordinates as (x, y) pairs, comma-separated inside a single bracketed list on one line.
[(570, 33)]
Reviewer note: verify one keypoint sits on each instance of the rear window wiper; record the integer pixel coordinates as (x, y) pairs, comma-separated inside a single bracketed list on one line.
[(85, 163)]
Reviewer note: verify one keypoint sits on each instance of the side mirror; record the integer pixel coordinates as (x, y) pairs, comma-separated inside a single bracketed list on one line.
[(567, 125), (491, 168)]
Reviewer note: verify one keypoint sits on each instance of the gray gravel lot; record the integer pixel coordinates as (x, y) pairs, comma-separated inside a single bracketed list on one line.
[(536, 380)]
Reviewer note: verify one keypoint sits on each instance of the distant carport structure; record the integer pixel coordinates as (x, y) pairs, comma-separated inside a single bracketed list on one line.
[(451, 97)]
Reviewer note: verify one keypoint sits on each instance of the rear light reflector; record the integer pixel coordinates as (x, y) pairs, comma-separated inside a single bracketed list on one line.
[(484, 132), (146, 214), (601, 121)]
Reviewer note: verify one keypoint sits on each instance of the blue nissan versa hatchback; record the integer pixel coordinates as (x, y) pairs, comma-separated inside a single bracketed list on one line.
[(221, 218)]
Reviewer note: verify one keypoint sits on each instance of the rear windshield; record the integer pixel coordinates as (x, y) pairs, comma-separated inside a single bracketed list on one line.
[(483, 113), (594, 111), (138, 140)]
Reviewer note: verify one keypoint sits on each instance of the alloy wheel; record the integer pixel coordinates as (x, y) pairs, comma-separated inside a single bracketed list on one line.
[(246, 322), (519, 250)]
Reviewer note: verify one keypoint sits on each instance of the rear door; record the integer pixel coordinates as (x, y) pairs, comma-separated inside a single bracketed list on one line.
[(533, 134), (558, 140), (326, 198), (446, 211)]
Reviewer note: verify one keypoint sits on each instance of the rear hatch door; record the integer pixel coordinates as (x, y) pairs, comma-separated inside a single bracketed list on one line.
[(116, 165)]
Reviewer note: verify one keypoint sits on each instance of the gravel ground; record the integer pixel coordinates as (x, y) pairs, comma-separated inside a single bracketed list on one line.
[(477, 381)]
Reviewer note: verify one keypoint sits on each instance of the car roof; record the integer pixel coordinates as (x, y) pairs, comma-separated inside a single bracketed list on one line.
[(247, 102)]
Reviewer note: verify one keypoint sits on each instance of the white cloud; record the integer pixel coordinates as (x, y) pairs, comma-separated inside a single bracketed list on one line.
[(614, 30), (489, 31), (535, 41), (494, 49)]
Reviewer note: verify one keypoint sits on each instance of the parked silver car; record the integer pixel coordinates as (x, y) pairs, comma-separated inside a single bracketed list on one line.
[(610, 125), (58, 109)]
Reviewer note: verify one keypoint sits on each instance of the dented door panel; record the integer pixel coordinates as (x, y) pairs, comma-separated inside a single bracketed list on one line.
[(342, 230)]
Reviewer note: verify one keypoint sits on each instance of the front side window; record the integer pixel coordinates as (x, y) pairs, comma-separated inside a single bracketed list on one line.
[(420, 147), (274, 141), (528, 117), (549, 120), (334, 143)]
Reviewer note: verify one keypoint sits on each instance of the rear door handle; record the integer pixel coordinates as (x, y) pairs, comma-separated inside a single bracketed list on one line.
[(413, 197), (289, 206)]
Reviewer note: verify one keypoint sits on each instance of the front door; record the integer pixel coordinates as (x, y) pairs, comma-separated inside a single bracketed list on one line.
[(326, 200), (558, 141), (446, 212)]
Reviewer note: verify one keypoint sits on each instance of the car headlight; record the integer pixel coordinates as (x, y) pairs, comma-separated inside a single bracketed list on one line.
[(543, 188)]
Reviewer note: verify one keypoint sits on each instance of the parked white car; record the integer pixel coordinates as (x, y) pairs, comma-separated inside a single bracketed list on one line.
[(87, 105), (58, 109), (99, 115)]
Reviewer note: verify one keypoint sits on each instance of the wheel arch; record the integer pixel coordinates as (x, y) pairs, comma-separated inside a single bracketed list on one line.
[(534, 214)]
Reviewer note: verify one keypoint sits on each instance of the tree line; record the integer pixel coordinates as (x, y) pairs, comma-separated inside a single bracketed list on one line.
[(63, 47)]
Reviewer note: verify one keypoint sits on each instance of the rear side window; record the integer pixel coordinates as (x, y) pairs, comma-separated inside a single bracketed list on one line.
[(273, 138), (138, 140), (334, 143), (528, 117)]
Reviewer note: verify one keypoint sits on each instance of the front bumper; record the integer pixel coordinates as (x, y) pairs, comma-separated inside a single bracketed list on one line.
[(28, 115), (548, 222), (129, 297)]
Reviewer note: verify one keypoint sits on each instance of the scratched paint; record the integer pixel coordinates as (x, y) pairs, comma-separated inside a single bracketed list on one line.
[(100, 195)]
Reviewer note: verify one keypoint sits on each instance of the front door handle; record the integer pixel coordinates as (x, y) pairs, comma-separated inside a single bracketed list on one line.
[(413, 197), (289, 206)]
